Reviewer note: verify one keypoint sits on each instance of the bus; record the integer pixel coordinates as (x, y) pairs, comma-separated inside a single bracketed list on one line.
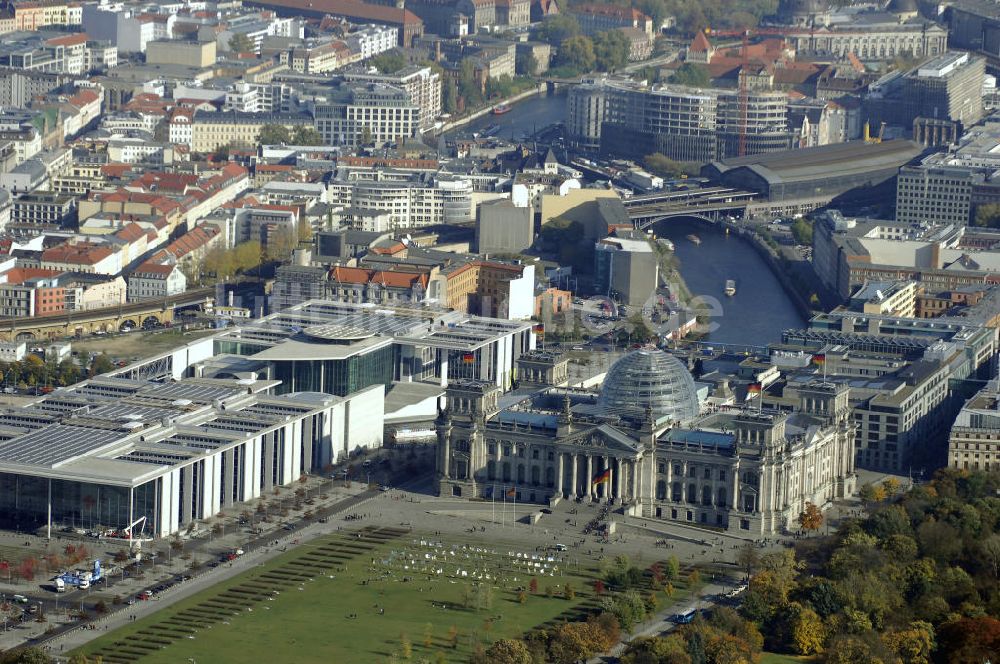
[(684, 618)]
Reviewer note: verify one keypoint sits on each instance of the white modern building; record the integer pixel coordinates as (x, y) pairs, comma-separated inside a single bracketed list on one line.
[(108, 452)]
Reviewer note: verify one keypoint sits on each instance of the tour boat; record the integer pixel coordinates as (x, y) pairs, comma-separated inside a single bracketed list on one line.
[(500, 109), (694, 238), (730, 287)]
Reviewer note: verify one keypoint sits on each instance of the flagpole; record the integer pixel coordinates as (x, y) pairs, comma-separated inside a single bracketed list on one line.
[(493, 504), (503, 509), (513, 511)]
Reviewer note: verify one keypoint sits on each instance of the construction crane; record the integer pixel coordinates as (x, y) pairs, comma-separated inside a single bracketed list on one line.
[(744, 92), (874, 140), (743, 95)]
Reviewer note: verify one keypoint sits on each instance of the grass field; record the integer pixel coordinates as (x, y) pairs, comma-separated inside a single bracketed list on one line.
[(317, 589), (774, 658)]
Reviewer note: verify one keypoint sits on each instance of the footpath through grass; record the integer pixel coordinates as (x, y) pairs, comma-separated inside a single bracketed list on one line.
[(360, 597)]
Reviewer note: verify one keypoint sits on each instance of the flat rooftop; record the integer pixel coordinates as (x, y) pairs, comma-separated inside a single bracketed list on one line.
[(126, 432), (413, 325)]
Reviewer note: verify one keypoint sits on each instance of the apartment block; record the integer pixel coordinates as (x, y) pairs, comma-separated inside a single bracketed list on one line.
[(422, 85)]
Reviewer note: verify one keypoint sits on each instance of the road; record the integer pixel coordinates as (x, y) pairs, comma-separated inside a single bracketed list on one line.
[(659, 624)]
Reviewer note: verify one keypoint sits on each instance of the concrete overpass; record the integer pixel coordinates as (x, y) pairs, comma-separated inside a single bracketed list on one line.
[(109, 319), (707, 203)]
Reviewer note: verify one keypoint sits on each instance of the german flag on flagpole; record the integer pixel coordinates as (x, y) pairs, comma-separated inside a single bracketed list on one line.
[(468, 358), (601, 478), (754, 389), (819, 359), (512, 492)]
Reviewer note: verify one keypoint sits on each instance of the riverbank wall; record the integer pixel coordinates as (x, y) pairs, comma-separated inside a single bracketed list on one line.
[(773, 260), (461, 122)]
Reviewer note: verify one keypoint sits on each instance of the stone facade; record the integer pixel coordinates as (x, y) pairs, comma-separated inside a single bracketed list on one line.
[(743, 470)]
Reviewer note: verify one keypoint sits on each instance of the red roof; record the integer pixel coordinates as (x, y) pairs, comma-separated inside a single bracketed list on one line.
[(348, 8), (192, 241), (82, 253), (18, 275), (168, 182), (700, 43), (116, 170), (84, 97), (68, 40), (155, 270), (391, 250), (130, 233), (357, 275)]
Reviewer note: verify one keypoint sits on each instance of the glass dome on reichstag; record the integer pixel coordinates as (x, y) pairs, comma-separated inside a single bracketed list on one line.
[(650, 378)]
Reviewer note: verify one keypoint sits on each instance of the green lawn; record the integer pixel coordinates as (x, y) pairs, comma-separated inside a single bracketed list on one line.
[(236, 622), (774, 658)]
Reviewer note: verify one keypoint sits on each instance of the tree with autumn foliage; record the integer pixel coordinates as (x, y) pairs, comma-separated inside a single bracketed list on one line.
[(811, 518), (27, 568), (970, 640)]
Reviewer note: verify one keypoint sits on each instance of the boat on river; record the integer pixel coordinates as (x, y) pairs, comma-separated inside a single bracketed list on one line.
[(500, 109), (694, 238), (730, 289)]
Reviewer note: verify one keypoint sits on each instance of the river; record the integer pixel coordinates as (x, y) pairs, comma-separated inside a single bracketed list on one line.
[(527, 117), (759, 311)]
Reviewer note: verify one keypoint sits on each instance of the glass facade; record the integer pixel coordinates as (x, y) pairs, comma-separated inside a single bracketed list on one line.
[(238, 347), (340, 377), (24, 504)]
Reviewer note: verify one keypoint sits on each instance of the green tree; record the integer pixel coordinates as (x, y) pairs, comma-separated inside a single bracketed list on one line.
[(527, 65), (656, 10), (389, 62), (692, 75), (802, 231), (672, 568), (102, 364), (304, 135), (653, 650), (26, 656), (611, 49), (556, 29), (628, 608), (274, 135), (449, 96), (577, 53), (664, 166), (470, 87), (240, 43), (987, 215)]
